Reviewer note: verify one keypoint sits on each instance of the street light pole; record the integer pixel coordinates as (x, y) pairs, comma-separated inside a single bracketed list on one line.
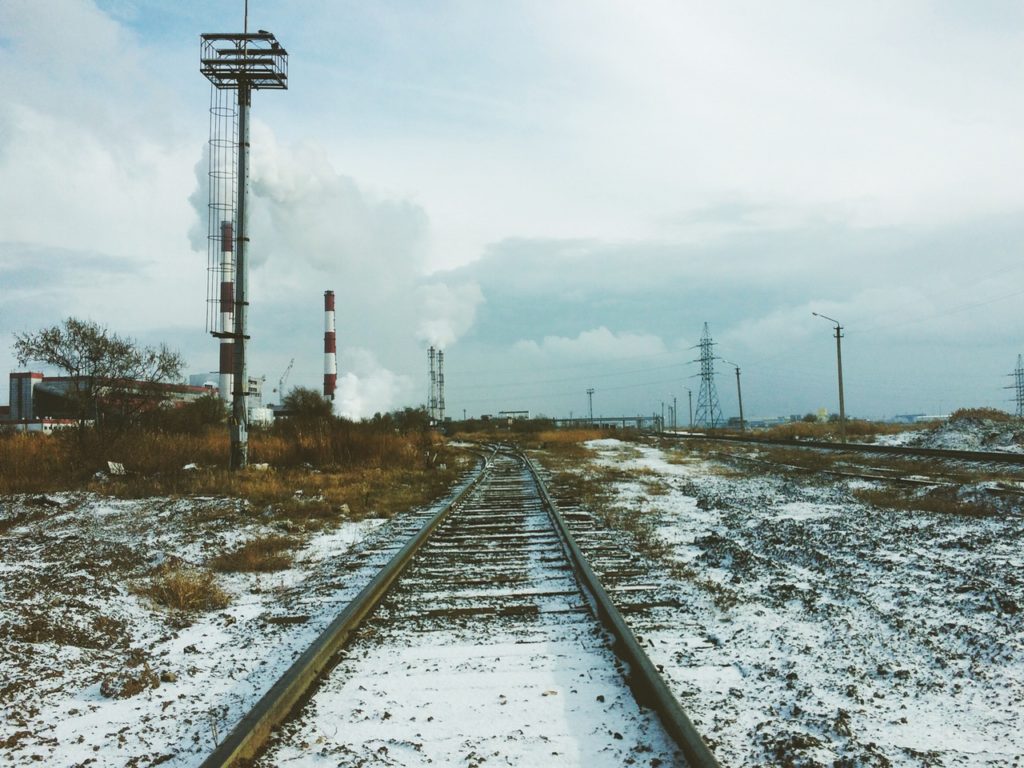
[(839, 363), (689, 393), (675, 414)]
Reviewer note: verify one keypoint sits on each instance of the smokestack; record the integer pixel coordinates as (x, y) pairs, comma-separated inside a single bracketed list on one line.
[(432, 397), (440, 386), (330, 347), (227, 310)]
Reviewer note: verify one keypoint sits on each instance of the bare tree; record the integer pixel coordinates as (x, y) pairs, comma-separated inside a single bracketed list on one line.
[(111, 380)]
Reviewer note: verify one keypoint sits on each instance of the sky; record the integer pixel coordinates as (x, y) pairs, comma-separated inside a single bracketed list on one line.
[(558, 194)]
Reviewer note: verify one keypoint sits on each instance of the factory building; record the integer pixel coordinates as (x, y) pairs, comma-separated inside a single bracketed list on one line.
[(40, 403)]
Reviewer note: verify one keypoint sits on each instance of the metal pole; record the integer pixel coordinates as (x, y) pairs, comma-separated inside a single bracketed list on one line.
[(240, 394), (675, 413), (590, 398), (739, 396), (689, 392), (839, 363), (842, 404)]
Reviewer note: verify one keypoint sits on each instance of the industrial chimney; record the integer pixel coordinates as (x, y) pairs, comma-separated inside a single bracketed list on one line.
[(330, 347), (227, 311)]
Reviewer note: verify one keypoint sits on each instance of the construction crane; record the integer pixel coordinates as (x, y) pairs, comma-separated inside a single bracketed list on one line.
[(283, 379)]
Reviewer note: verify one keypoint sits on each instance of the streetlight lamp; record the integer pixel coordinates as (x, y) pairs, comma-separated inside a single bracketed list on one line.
[(839, 363), (739, 392)]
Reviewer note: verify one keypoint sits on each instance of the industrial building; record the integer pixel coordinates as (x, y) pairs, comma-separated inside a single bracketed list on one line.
[(39, 403)]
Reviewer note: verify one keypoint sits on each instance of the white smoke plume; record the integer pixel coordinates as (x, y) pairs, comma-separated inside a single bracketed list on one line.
[(314, 228), (447, 312)]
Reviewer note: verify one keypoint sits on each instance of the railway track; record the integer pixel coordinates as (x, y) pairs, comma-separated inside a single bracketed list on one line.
[(994, 474), (984, 457), (487, 638)]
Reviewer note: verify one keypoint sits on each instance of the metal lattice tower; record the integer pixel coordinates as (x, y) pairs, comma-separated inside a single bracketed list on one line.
[(242, 63), (432, 392), (1018, 386), (709, 413)]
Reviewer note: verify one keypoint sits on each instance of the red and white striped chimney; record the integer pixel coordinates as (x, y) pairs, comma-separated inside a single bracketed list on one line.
[(227, 309), (330, 347)]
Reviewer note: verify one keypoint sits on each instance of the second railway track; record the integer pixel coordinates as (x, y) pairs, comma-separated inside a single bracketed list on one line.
[(495, 645)]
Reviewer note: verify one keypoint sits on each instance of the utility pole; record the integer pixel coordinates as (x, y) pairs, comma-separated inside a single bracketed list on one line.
[(663, 415), (675, 413), (839, 363), (739, 392), (689, 394), (590, 398)]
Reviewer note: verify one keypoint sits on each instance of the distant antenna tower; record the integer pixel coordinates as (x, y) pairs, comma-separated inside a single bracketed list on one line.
[(1018, 386), (242, 63), (709, 414), (440, 386), (432, 394)]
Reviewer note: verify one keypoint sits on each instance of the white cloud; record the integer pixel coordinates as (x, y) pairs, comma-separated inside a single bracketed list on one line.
[(596, 344)]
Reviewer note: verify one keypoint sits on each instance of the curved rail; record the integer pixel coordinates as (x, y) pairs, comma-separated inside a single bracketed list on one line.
[(647, 685), (252, 731)]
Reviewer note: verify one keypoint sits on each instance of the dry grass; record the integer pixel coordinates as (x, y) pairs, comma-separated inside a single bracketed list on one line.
[(938, 500), (155, 459), (858, 429), (185, 589), (32, 463), (980, 414), (262, 555)]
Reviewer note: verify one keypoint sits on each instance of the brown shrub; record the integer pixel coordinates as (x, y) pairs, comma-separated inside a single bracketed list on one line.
[(263, 555), (185, 589)]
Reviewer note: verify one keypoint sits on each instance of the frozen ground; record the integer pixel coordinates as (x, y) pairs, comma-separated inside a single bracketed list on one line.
[(73, 625), (816, 631), (968, 434)]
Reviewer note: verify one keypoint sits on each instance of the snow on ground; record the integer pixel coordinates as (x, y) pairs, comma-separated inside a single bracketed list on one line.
[(74, 625), (814, 630), (963, 434)]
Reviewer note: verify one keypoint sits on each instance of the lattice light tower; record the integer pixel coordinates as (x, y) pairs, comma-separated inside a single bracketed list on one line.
[(243, 63), (1018, 386), (432, 392), (709, 413)]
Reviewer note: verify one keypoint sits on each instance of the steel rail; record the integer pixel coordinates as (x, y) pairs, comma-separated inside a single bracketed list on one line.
[(995, 457), (643, 678), (253, 730)]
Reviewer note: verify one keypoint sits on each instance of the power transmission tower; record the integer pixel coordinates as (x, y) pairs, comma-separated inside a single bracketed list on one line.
[(590, 398), (709, 413), (1018, 386)]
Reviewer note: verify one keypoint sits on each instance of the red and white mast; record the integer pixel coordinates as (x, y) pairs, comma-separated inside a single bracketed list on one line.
[(227, 309), (330, 347)]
